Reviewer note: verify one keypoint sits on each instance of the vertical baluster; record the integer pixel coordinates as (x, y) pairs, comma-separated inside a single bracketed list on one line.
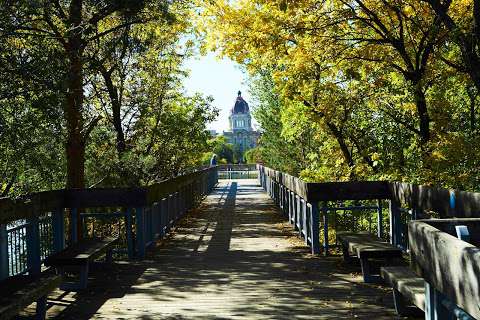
[(163, 217), (295, 215), (300, 216), (4, 270), (379, 219), (140, 231), (395, 224), (157, 224), (33, 246), (304, 221), (177, 202), (292, 207), (74, 225), (169, 209), (16, 251), (129, 233), (315, 226), (325, 228), (58, 229)]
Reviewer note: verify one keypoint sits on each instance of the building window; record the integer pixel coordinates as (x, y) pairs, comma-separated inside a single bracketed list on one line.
[(240, 123)]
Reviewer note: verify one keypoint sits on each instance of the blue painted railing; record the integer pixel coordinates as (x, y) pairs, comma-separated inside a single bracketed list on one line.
[(300, 202), (313, 208), (34, 227)]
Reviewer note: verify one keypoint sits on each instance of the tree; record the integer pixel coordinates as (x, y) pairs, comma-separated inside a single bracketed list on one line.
[(373, 82), (73, 26)]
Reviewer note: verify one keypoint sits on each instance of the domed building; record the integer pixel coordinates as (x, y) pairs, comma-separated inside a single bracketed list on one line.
[(241, 133)]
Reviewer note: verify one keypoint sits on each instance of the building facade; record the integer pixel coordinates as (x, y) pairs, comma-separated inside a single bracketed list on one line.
[(241, 134)]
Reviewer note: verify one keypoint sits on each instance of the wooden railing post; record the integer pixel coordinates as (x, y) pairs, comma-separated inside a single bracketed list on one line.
[(129, 233), (394, 209), (175, 205), (74, 225), (291, 215), (58, 229), (325, 228), (33, 246), (297, 210), (304, 231), (379, 219), (163, 216), (140, 231), (315, 226), (148, 214), (169, 212), (4, 272)]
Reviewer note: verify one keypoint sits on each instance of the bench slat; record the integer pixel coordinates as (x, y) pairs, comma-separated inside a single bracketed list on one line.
[(409, 284), (364, 244), (86, 250)]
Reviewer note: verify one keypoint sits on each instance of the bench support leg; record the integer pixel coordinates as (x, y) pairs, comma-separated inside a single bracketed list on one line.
[(84, 276), (346, 254), (109, 256), (41, 308), (75, 286), (367, 275), (399, 303), (401, 306)]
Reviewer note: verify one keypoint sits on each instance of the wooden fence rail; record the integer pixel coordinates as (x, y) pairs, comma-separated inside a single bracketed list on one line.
[(307, 204), (38, 225)]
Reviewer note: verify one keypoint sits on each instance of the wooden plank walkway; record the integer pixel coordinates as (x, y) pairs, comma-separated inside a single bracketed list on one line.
[(235, 258)]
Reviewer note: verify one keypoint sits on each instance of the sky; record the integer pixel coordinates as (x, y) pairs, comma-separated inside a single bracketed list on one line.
[(219, 78)]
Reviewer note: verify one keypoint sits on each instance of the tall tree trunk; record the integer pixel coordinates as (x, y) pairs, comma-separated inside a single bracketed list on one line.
[(472, 95), (116, 107), (75, 147), (342, 143), (424, 118)]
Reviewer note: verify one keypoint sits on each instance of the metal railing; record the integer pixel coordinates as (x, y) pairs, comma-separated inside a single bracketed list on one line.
[(237, 171), (34, 227)]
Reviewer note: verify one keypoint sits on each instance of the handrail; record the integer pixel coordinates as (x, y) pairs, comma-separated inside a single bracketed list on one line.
[(445, 202), (239, 167), (307, 204), (34, 204), (149, 213)]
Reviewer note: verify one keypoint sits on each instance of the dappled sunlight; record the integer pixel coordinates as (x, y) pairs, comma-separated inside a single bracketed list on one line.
[(234, 259)]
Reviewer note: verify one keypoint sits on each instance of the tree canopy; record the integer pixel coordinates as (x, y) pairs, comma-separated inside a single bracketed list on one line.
[(363, 89), (91, 94)]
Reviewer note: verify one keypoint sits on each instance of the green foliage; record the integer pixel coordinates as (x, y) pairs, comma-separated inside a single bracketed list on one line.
[(137, 122), (222, 149), (350, 90)]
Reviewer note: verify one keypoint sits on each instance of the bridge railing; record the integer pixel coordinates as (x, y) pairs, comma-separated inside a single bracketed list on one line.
[(237, 171), (315, 207), (37, 225), (449, 266)]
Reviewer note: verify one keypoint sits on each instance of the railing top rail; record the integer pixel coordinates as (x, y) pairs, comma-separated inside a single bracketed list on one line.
[(32, 205), (445, 202), (244, 167)]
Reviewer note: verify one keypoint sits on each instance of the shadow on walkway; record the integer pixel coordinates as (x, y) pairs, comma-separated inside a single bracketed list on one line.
[(236, 258)]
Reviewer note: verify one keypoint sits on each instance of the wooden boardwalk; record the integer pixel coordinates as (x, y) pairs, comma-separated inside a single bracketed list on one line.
[(234, 258)]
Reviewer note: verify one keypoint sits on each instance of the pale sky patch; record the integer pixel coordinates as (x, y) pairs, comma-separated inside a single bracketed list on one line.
[(219, 78)]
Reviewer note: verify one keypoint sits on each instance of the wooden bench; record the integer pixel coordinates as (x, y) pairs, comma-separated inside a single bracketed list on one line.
[(78, 258), (408, 289), (20, 291), (366, 246)]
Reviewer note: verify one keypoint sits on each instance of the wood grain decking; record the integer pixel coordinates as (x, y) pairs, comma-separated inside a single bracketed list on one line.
[(235, 258)]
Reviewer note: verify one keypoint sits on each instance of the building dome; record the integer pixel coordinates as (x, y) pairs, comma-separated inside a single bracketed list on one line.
[(241, 106)]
